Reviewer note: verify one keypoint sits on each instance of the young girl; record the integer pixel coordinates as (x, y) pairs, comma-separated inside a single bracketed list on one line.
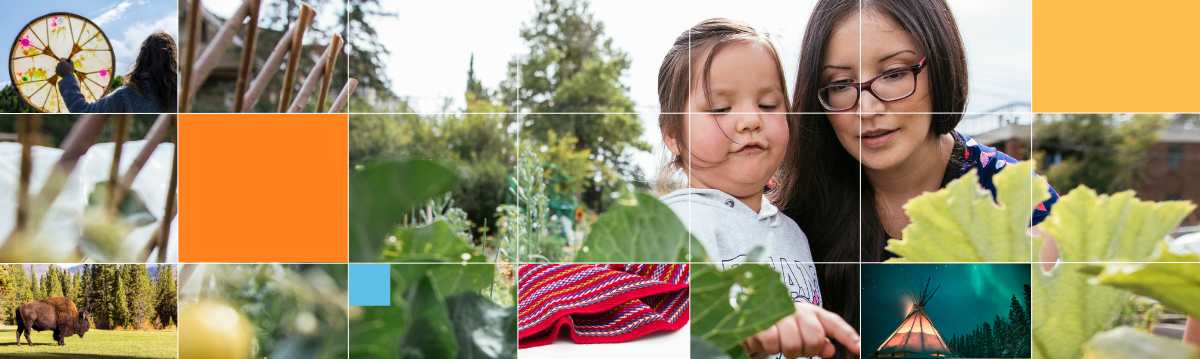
[(149, 87), (725, 122)]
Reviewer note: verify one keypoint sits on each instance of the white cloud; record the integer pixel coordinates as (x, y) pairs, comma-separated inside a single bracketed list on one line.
[(115, 13), (127, 47)]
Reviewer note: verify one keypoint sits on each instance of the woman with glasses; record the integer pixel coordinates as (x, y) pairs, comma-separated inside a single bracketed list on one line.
[(881, 86)]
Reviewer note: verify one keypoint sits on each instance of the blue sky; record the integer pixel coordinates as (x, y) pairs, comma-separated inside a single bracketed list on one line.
[(126, 22)]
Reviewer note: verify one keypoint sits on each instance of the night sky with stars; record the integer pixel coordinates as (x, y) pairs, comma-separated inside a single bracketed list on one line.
[(970, 295)]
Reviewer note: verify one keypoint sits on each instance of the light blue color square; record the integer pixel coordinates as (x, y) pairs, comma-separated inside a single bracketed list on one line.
[(371, 285)]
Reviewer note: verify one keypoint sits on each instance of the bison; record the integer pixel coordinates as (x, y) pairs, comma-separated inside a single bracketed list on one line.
[(57, 314)]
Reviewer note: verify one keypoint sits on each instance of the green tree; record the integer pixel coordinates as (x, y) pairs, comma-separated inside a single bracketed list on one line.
[(38, 293), (53, 278), (11, 102), (168, 295), (1106, 152), (572, 68), (368, 66), (120, 315)]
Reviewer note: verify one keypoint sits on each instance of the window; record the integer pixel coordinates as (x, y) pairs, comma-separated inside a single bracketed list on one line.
[(1174, 156)]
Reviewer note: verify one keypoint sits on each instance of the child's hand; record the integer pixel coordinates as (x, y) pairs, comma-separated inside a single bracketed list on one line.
[(805, 334), (64, 68)]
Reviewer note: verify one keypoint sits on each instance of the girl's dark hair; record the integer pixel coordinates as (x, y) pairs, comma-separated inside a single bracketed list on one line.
[(158, 65), (825, 197), (675, 78)]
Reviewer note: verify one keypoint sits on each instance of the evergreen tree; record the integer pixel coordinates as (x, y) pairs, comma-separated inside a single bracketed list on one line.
[(167, 295), (38, 293), (54, 283), (120, 306), (1028, 309)]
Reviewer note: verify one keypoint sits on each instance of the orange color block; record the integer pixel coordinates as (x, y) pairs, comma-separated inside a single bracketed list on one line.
[(263, 187), (1115, 56)]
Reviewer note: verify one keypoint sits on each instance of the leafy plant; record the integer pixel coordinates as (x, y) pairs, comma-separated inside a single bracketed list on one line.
[(1173, 279), (1103, 228), (421, 322), (382, 192), (639, 228), (962, 223), (735, 304)]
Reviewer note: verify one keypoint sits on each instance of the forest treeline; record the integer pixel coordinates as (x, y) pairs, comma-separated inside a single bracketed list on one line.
[(119, 296), (1002, 338)]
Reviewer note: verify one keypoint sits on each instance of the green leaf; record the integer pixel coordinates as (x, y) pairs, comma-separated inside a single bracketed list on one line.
[(638, 228), (1067, 310), (430, 333), (449, 278), (379, 331), (434, 242), (1171, 279), (1118, 228), (962, 223), (483, 329), (762, 301), (703, 349), (1087, 227), (1125, 342), (382, 192)]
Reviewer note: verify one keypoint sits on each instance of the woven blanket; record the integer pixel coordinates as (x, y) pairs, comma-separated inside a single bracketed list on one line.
[(599, 303)]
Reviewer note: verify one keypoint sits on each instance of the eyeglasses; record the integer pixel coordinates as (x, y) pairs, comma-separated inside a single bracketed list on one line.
[(889, 86)]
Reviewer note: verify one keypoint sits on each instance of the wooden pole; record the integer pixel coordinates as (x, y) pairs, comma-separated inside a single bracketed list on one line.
[(189, 57), (82, 135), (158, 132), (268, 70), (212, 53), (29, 127), (325, 83), (318, 72), (289, 74), (247, 65), (344, 96), (164, 228), (119, 133)]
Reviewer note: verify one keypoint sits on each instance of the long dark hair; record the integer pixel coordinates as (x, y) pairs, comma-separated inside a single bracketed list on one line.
[(158, 65), (825, 197), (676, 78)]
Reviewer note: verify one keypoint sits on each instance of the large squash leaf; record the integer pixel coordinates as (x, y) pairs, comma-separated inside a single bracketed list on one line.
[(483, 329), (379, 330), (962, 223), (448, 278), (1067, 310), (639, 228), (381, 192), (434, 242), (1173, 279), (1125, 342), (430, 332), (761, 301), (1117, 228)]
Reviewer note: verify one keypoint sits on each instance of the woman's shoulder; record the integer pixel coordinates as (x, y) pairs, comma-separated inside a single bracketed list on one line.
[(988, 160)]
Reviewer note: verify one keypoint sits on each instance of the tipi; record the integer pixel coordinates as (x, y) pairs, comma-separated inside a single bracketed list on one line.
[(916, 337)]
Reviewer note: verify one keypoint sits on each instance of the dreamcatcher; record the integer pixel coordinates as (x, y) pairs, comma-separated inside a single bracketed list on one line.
[(44, 41)]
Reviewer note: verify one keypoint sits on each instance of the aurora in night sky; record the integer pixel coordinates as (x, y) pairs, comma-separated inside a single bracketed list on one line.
[(969, 296)]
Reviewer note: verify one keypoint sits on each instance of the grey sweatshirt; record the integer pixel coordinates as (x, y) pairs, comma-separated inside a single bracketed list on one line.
[(729, 230)]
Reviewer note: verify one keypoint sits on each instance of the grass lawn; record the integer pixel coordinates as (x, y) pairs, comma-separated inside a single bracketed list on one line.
[(94, 344)]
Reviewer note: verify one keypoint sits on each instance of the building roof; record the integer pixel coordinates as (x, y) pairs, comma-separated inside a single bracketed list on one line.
[(1009, 132), (1179, 135)]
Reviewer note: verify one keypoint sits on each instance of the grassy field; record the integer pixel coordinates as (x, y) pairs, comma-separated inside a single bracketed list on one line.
[(94, 344)]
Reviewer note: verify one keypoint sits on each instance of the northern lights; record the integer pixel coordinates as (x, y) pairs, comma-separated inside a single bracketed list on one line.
[(970, 294)]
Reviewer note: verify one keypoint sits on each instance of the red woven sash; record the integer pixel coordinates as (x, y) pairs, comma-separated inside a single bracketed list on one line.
[(599, 303)]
